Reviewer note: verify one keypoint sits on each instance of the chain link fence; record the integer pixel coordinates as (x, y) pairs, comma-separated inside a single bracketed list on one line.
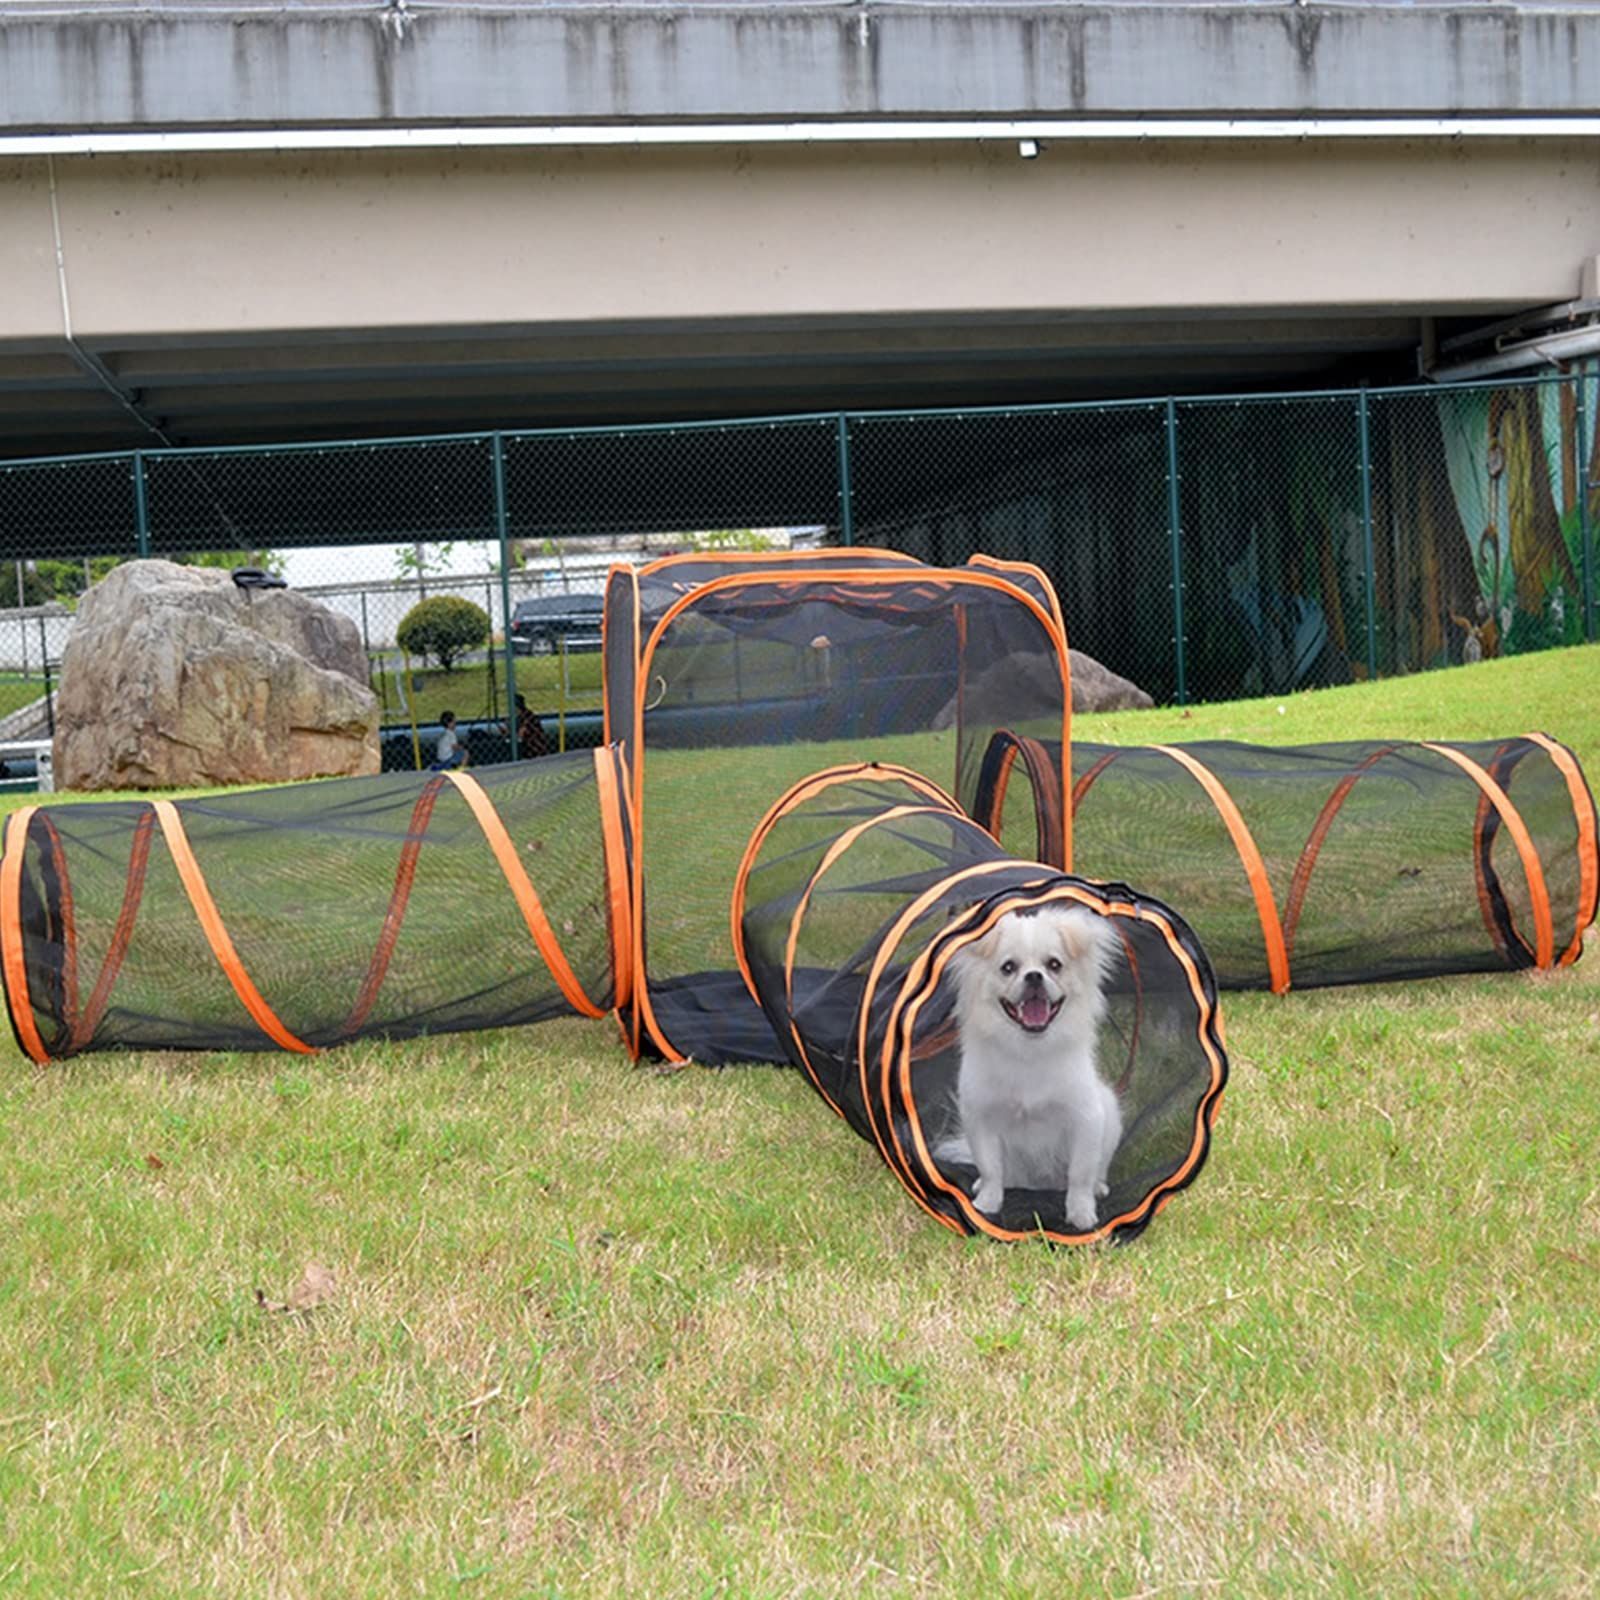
[(1204, 548)]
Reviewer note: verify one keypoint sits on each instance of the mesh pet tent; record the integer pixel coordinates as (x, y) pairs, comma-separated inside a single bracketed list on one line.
[(1325, 864), (727, 678), (862, 884), (301, 917)]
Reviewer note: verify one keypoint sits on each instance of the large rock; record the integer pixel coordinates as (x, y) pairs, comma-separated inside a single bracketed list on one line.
[(1017, 686), (1098, 688), (174, 676)]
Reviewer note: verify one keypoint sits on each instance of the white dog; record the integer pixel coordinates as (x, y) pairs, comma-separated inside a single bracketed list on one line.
[(1035, 1114)]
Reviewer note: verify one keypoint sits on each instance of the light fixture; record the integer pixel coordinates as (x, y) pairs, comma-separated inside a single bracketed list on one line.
[(1028, 149)]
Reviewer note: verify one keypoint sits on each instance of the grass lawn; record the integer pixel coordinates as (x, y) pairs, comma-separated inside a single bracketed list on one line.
[(598, 1331), (478, 690), (17, 691)]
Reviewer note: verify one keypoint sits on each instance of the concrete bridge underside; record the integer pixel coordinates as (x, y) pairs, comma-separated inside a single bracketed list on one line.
[(241, 296), (224, 296)]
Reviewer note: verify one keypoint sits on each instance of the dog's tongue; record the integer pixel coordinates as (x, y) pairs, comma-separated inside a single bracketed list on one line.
[(1035, 1011)]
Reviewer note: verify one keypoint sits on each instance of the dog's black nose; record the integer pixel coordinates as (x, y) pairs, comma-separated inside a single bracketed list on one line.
[(1033, 980)]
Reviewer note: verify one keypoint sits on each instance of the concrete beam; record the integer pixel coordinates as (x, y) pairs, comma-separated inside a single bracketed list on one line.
[(194, 64), (229, 246)]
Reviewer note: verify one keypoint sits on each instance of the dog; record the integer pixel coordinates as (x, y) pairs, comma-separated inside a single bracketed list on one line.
[(1034, 1112)]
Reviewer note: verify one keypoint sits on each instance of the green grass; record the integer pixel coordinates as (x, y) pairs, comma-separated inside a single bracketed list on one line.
[(479, 690), (17, 691), (600, 1331), (1552, 692)]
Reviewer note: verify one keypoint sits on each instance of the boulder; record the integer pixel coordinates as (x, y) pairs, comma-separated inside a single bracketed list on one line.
[(173, 676), (1017, 687), (1098, 688)]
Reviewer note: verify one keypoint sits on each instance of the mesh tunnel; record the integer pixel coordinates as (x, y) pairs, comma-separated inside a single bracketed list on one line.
[(728, 678), (861, 887), (300, 917), (1327, 864)]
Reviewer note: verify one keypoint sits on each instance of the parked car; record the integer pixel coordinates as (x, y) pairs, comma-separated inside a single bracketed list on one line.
[(540, 624)]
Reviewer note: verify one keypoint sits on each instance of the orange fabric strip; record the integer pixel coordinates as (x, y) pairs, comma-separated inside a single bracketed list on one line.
[(834, 851), (121, 934), (1312, 848), (523, 892), (1538, 895), (1086, 782), (862, 771), (1588, 846), (69, 929), (1049, 793), (1481, 871), (12, 955), (405, 876), (194, 885), (995, 820), (832, 555), (1244, 842), (1048, 589)]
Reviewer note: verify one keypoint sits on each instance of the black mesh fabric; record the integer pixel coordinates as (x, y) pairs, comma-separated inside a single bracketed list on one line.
[(350, 907), (863, 888), (1381, 860), (753, 670), (620, 638)]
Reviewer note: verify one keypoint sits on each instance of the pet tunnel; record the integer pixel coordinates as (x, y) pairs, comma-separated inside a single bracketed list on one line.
[(1325, 864), (728, 678), (300, 917), (860, 885)]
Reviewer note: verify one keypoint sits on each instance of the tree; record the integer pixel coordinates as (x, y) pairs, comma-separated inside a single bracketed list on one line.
[(64, 579), (444, 627), (418, 560), (267, 560), (729, 539)]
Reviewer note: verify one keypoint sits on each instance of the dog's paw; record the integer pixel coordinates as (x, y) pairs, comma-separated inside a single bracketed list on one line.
[(1101, 1190), (1081, 1213), (989, 1196)]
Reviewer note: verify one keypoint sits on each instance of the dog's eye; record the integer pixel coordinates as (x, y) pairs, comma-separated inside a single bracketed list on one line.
[(1054, 963), (1007, 968)]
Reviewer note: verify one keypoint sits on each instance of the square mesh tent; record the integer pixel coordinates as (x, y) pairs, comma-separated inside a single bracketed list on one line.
[(727, 678), (865, 885), (1358, 862)]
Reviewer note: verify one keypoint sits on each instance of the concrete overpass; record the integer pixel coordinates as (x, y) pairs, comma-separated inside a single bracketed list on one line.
[(224, 222)]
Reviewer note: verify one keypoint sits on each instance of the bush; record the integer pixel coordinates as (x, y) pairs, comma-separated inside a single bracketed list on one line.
[(443, 627)]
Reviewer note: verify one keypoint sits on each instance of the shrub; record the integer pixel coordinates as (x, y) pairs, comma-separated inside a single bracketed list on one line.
[(444, 627)]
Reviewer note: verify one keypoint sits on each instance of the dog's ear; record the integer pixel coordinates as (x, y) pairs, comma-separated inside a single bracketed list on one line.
[(1086, 937)]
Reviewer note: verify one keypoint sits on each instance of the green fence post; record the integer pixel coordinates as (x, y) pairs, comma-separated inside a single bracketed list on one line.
[(1175, 534), (141, 507), (1585, 555), (847, 516), (1369, 576), (502, 528)]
